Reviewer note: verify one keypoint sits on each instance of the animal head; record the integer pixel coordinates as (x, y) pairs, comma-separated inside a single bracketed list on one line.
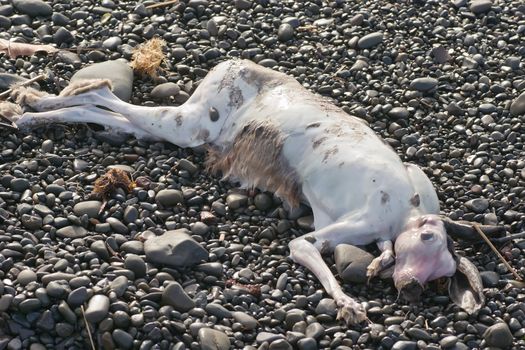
[(424, 252)]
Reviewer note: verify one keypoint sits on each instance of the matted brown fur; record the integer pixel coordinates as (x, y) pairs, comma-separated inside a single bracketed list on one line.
[(82, 86), (255, 158)]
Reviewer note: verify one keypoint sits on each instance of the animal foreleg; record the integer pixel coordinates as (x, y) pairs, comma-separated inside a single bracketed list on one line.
[(305, 250), (383, 261)]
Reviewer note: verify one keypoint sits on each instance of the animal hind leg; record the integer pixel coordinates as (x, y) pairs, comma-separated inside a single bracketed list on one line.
[(178, 125), (306, 250), (79, 114)]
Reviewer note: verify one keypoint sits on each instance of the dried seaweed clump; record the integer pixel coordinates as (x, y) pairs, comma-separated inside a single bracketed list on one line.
[(111, 180), (148, 56)]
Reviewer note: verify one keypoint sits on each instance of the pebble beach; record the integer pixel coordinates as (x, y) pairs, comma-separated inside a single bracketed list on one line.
[(184, 260)]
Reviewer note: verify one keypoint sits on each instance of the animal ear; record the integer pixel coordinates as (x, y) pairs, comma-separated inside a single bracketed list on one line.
[(465, 230), (465, 288)]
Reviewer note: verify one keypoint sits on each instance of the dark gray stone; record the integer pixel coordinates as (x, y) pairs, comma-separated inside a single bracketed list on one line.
[(72, 232), (351, 263), (370, 40), (97, 309), (174, 248), (518, 105), (119, 72), (33, 8), (174, 295), (499, 336), (211, 339)]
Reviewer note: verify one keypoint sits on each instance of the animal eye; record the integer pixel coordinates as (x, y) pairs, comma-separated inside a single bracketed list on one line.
[(427, 236)]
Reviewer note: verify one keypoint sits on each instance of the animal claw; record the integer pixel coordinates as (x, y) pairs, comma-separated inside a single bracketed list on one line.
[(350, 311), (379, 264)]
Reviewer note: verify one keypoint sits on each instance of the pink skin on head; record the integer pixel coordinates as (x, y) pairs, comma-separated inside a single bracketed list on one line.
[(422, 255)]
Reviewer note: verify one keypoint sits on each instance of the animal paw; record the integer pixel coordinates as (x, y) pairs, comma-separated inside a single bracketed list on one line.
[(26, 96), (350, 311), (82, 86), (379, 264), (10, 111)]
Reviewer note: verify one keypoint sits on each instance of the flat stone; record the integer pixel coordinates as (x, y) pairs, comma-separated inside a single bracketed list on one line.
[(90, 208), (236, 200), (136, 264), (118, 71), (19, 184), (423, 84), (370, 40), (123, 339), (175, 296), (97, 309), (477, 205), (247, 321), (169, 197), (480, 6), (31, 222), (498, 336), (490, 279), (267, 337), (404, 345), (165, 90), (285, 32), (517, 106), (99, 247), (175, 249), (211, 339), (77, 297), (119, 285), (351, 263), (26, 276), (398, 113), (72, 232), (33, 8)]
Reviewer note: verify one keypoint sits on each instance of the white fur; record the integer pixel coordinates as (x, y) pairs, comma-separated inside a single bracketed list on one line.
[(359, 189)]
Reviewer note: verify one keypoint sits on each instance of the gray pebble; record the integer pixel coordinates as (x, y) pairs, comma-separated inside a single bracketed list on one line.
[(423, 84), (183, 250), (285, 32), (517, 107), (480, 6), (136, 264), (370, 40), (97, 309), (236, 200), (351, 263), (90, 208), (72, 232), (211, 339), (165, 90), (498, 335), (175, 296), (123, 339), (33, 8), (25, 277), (169, 197), (119, 285), (119, 72), (477, 205), (248, 322)]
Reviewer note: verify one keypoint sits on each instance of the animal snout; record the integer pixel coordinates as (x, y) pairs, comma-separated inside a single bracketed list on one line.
[(410, 290)]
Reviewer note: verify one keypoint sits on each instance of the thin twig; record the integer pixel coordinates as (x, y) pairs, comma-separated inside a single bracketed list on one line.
[(505, 262), (25, 83), (162, 4), (87, 328), (508, 238)]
